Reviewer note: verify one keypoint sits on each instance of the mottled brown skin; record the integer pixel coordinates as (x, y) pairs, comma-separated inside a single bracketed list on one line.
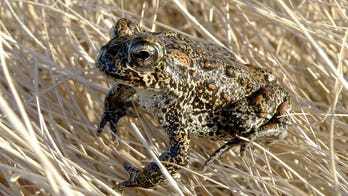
[(191, 87)]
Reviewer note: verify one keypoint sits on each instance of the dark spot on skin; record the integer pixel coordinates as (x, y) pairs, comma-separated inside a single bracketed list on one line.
[(229, 71), (207, 64)]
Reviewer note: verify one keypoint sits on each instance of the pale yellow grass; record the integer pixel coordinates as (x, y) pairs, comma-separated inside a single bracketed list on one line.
[(51, 97)]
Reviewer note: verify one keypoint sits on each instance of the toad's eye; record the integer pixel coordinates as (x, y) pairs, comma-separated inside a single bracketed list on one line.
[(144, 54)]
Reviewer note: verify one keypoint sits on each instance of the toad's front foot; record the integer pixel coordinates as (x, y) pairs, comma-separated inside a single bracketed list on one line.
[(116, 105), (132, 181), (112, 118), (146, 177)]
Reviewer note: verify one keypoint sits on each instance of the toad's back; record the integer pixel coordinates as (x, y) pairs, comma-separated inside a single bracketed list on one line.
[(207, 71)]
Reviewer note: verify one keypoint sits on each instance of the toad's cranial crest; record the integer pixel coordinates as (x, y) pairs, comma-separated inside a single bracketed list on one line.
[(191, 87)]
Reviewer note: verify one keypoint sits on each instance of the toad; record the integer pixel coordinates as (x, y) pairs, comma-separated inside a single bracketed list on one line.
[(192, 87)]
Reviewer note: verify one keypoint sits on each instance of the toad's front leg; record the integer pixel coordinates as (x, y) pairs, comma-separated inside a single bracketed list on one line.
[(115, 106), (176, 155)]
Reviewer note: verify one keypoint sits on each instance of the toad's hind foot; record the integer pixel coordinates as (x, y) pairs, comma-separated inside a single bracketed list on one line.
[(219, 152), (132, 181), (267, 134)]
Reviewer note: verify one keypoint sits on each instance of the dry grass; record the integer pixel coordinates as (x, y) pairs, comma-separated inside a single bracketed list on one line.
[(51, 97)]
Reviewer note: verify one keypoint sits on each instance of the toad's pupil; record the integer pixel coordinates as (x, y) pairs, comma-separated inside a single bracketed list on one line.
[(142, 55)]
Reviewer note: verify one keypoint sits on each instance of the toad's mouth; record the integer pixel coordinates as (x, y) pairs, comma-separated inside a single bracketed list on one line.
[(127, 75)]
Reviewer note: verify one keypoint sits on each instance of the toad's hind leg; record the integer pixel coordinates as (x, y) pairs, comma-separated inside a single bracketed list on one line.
[(270, 130), (274, 129), (266, 134)]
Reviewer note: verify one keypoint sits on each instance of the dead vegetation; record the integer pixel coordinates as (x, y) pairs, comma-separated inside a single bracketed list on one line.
[(51, 97)]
